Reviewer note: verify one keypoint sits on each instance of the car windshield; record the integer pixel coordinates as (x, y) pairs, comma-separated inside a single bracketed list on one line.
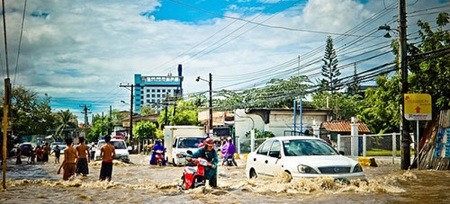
[(189, 142), (305, 147), (116, 143)]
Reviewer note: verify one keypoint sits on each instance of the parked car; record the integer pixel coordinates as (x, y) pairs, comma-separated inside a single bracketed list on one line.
[(301, 157), (61, 147), (121, 149), (26, 148)]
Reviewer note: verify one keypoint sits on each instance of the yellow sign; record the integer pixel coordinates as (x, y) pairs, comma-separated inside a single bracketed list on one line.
[(417, 106)]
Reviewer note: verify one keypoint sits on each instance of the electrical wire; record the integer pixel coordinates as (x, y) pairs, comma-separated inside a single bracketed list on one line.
[(20, 41)]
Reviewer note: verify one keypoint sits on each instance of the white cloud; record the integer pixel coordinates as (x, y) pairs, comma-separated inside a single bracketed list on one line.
[(87, 48)]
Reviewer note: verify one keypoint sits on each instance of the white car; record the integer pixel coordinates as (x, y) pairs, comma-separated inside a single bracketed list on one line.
[(301, 157), (121, 150)]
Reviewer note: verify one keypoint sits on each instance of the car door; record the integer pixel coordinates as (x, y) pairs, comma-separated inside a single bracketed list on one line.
[(260, 158), (273, 162)]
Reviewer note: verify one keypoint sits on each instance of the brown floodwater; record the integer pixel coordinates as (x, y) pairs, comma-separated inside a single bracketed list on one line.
[(140, 183)]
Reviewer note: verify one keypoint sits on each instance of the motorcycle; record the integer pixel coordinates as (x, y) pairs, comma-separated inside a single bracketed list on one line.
[(194, 173), (229, 161), (159, 158)]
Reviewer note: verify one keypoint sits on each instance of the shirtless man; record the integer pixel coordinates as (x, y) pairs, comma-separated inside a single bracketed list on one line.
[(70, 160), (83, 158), (107, 153)]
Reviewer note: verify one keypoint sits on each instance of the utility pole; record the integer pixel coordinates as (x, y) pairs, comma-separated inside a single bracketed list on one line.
[(131, 108), (210, 100), (103, 117), (110, 128), (404, 126), (6, 100), (210, 104), (6, 107), (86, 122)]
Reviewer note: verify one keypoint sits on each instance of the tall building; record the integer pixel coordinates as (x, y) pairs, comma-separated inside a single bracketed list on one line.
[(154, 91)]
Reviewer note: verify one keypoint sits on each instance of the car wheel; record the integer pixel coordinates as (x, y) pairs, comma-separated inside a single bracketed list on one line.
[(253, 174), (286, 176)]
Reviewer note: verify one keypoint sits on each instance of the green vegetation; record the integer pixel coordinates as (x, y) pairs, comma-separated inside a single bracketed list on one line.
[(382, 152)]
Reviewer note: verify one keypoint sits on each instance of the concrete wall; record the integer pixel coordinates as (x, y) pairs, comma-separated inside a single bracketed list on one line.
[(279, 121)]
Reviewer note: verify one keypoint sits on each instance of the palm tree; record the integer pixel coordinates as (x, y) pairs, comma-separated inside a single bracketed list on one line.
[(65, 119)]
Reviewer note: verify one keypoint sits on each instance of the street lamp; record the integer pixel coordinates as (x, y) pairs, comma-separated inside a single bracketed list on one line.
[(131, 119), (210, 99)]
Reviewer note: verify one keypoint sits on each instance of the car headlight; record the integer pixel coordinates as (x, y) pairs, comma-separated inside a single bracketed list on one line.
[(306, 169), (180, 155), (357, 168)]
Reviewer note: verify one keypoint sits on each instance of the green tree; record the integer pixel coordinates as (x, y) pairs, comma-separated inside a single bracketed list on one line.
[(67, 122), (382, 113), (330, 71), (260, 134), (185, 113), (147, 110), (429, 67), (343, 106), (144, 130), (30, 114), (430, 63), (99, 127), (278, 93)]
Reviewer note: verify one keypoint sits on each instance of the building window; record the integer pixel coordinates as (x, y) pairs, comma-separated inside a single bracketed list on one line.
[(164, 91), (158, 90), (148, 95), (158, 95), (148, 90), (153, 90), (153, 95)]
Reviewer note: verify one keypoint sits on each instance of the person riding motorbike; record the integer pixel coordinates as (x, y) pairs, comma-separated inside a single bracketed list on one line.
[(210, 154), (228, 150), (157, 147)]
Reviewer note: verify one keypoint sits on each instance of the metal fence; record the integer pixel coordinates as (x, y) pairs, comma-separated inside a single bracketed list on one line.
[(376, 142)]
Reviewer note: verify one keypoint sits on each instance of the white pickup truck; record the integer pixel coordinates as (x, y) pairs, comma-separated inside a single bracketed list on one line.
[(121, 150)]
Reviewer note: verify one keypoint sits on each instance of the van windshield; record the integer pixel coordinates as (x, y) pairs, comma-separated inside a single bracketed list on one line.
[(189, 142)]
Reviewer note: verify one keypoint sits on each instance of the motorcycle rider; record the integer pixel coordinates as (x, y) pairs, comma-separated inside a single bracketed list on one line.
[(210, 154), (228, 150), (157, 146)]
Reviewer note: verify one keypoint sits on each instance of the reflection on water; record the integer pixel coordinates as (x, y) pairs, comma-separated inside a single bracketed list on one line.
[(140, 183)]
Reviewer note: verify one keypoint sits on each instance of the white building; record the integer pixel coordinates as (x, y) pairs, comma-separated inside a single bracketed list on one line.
[(154, 91)]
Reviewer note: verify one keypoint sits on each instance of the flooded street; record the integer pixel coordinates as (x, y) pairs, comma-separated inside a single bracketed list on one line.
[(140, 183)]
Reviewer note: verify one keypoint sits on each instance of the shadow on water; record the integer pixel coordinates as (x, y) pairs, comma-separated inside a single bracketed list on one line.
[(27, 171)]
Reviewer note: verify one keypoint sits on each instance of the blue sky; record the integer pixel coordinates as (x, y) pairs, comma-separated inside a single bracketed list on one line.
[(202, 11), (79, 52)]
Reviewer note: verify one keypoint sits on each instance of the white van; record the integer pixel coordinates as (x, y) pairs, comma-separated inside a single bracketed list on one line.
[(180, 147), (121, 150)]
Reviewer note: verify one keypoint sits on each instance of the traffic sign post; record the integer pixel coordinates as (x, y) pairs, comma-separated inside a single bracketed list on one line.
[(417, 107)]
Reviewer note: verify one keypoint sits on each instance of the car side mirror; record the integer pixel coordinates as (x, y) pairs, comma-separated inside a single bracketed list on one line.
[(274, 154), (341, 152)]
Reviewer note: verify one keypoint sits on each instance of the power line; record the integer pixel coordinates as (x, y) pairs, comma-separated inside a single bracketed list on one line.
[(262, 24), (20, 41)]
